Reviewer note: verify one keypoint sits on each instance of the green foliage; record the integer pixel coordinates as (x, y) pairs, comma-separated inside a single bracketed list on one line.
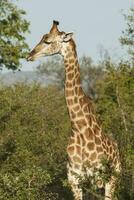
[(90, 73), (128, 35), (115, 109), (116, 92), (34, 130), (34, 124), (12, 29), (113, 87), (30, 183)]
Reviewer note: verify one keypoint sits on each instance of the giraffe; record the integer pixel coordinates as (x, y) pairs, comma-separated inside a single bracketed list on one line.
[(87, 144)]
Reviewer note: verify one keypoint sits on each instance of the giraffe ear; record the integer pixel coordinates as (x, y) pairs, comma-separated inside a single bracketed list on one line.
[(67, 36)]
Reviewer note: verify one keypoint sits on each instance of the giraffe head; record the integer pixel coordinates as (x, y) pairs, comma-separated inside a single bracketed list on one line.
[(51, 43)]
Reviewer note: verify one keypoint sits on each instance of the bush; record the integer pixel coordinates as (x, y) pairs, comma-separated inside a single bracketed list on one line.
[(34, 130)]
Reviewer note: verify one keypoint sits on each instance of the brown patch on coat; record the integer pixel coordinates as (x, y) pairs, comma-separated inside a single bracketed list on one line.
[(76, 89), (85, 108), (71, 141), (78, 149), (89, 134), (96, 129), (90, 146), (70, 102), (69, 54), (77, 81), (70, 150), (78, 139), (97, 141), (76, 108), (111, 149), (81, 101), (71, 60), (75, 99), (79, 113), (89, 120), (70, 68), (70, 76), (99, 149), (68, 84), (73, 115), (108, 142), (69, 92), (75, 70)]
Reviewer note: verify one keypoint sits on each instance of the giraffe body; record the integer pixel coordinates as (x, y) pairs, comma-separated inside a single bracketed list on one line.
[(87, 145)]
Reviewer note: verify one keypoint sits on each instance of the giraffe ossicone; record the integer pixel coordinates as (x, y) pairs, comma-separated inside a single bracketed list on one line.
[(87, 145)]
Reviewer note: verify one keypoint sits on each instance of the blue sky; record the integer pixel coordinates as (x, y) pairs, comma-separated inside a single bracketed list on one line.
[(95, 23)]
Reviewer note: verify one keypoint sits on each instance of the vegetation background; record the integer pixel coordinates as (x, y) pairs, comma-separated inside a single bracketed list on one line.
[(34, 123)]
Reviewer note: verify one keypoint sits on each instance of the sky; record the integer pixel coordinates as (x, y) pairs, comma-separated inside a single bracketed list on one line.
[(95, 23)]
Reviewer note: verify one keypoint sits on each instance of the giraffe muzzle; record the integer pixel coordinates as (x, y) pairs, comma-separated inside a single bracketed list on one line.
[(31, 55), (29, 58)]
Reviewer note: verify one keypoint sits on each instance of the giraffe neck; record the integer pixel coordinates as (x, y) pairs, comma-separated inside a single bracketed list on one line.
[(79, 106), (72, 75)]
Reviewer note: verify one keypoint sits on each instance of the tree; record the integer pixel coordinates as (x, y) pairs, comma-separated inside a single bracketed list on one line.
[(90, 73), (12, 29), (115, 109), (128, 35), (34, 131), (54, 67)]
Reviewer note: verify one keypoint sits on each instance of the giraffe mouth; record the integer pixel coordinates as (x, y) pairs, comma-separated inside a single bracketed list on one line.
[(31, 57)]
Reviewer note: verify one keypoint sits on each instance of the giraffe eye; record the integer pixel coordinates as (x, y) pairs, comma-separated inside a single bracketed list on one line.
[(47, 42)]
